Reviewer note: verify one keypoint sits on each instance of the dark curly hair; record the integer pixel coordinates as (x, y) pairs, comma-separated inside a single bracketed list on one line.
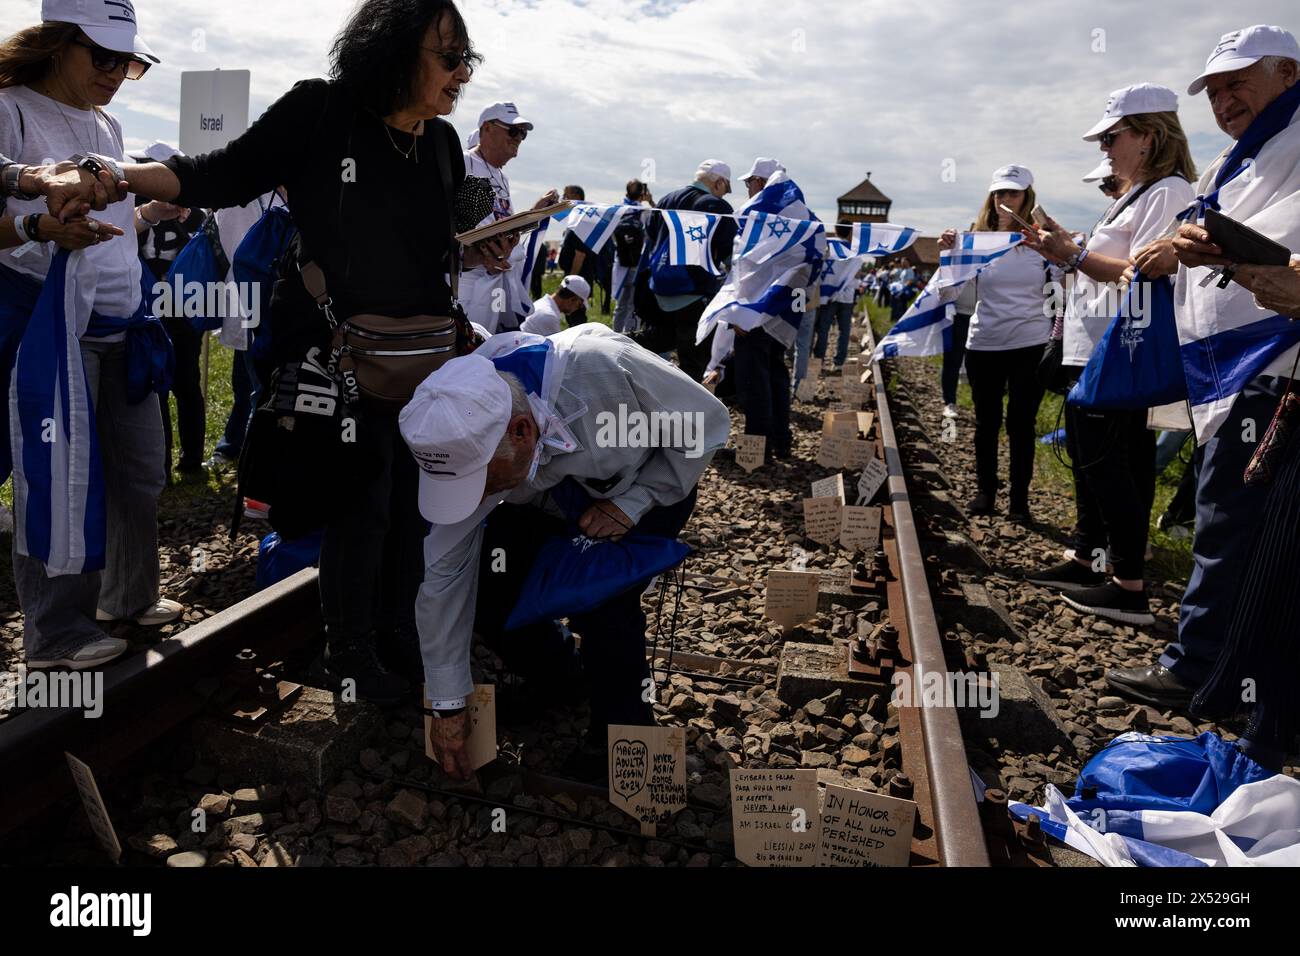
[(377, 54)]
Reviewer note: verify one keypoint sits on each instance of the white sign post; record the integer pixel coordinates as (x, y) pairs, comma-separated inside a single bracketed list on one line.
[(214, 110)]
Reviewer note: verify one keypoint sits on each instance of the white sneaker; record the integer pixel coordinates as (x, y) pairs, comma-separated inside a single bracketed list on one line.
[(95, 654), (950, 411), (164, 611)]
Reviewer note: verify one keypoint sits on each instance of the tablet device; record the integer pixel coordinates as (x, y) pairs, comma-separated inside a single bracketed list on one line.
[(1242, 244)]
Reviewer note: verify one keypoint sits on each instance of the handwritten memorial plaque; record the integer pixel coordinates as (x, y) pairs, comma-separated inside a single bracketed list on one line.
[(821, 519), (840, 423), (774, 817), (647, 772), (750, 450), (860, 528), (855, 393), (481, 747), (832, 487), (858, 453), (865, 420), (873, 476), (791, 597), (865, 376), (831, 452), (859, 828), (100, 823)]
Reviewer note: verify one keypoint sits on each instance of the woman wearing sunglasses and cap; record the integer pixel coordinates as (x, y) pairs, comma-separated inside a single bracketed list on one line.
[(372, 168), (1004, 344), (55, 80), (1113, 452)]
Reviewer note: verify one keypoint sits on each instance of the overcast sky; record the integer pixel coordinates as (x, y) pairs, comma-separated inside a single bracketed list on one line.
[(833, 88)]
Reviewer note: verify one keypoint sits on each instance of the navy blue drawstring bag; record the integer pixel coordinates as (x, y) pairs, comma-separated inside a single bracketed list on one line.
[(574, 574), (203, 261), (1138, 362), (279, 558), (257, 260)]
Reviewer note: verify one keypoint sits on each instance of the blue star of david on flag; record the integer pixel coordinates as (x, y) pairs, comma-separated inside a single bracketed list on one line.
[(778, 228), (689, 238), (697, 233)]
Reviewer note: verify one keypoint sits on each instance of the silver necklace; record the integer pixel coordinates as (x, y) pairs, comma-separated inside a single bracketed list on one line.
[(75, 138), (407, 153)]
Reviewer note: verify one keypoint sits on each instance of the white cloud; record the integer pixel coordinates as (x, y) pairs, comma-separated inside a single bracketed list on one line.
[(833, 88)]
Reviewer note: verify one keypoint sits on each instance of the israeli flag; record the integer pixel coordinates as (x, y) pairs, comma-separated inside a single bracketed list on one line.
[(690, 236), (594, 224), (926, 327), (59, 495), (1166, 801), (1226, 339), (837, 268), (777, 256), (880, 239), (971, 254)]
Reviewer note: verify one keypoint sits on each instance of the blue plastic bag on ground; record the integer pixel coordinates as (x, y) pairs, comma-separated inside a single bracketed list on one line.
[(278, 559), (574, 574)]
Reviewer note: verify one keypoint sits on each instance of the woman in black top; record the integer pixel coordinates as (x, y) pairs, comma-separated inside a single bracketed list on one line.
[(359, 154)]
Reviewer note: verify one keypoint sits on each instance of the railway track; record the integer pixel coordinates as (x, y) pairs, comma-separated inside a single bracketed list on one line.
[(162, 688)]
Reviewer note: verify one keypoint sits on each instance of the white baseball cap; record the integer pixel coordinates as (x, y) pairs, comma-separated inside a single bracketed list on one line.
[(717, 167), (1101, 172), (1011, 177), (578, 286), (764, 168), (503, 113), (109, 23), (1139, 98), (453, 425), (1245, 47)]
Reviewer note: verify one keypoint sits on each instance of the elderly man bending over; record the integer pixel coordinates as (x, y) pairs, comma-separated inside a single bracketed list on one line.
[(510, 438)]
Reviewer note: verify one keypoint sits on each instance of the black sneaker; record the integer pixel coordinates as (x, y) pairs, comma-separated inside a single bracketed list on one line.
[(1019, 513), (981, 504), (1067, 574), (1113, 602), (359, 663)]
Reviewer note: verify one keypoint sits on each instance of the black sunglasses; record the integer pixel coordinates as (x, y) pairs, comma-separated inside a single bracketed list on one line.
[(452, 59), (514, 132), (110, 61), (1108, 139)]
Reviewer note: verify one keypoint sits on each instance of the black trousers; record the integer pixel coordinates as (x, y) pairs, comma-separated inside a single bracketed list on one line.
[(191, 420), (613, 635), (675, 331), (952, 358), (1010, 374), (763, 388), (1113, 459), (372, 553)]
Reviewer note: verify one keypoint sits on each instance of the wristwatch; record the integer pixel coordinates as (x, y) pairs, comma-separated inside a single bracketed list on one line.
[(94, 164), (9, 178)]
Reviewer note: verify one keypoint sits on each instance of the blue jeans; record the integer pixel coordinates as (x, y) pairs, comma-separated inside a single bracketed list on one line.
[(803, 345), (1227, 514), (842, 314), (244, 385)]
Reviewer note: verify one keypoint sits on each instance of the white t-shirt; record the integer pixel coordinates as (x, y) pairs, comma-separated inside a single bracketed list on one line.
[(494, 300), (546, 318), (49, 131), (1092, 304), (1010, 303)]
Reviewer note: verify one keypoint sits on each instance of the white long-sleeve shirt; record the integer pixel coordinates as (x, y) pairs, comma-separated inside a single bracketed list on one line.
[(608, 378)]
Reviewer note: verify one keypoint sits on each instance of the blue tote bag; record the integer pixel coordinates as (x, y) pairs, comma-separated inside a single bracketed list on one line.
[(1138, 362)]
